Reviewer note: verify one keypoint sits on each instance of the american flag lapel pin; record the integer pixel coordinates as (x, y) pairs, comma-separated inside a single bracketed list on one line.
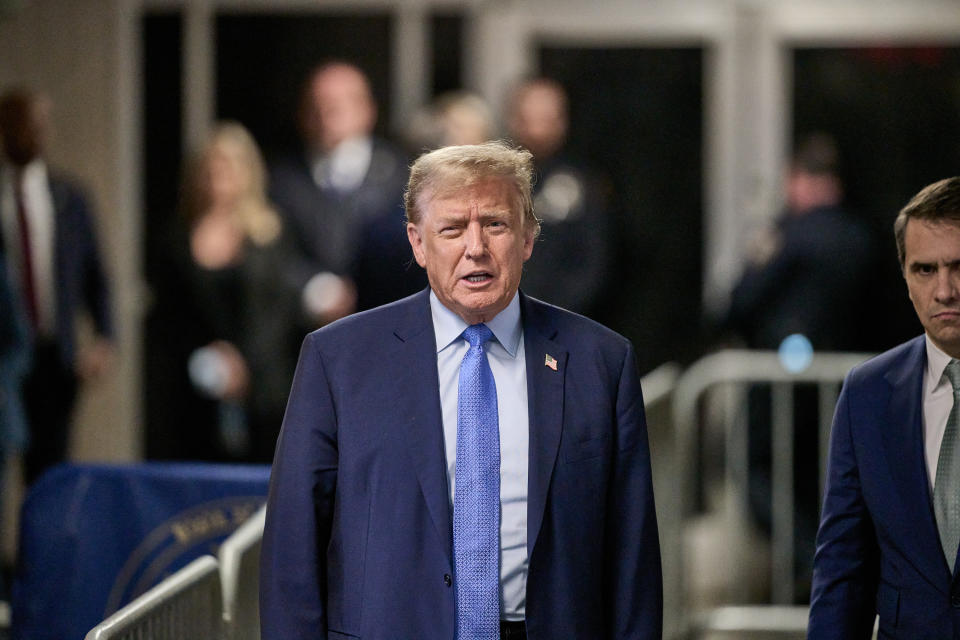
[(551, 362)]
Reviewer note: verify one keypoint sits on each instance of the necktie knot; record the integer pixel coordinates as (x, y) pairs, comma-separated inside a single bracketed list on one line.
[(478, 334), (953, 374)]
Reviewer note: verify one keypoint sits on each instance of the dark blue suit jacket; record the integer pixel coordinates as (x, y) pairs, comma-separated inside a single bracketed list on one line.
[(358, 539), (79, 280), (878, 550)]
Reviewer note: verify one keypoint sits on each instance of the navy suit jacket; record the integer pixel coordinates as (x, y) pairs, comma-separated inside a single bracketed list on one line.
[(878, 550), (79, 280), (358, 538)]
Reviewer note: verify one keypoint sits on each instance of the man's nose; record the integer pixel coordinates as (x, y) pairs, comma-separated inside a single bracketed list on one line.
[(475, 240), (948, 285)]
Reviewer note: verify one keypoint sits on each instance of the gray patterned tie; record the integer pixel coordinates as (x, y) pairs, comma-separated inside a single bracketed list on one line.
[(946, 486)]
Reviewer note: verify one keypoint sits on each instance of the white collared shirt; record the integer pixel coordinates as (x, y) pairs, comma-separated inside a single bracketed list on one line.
[(38, 203), (509, 367), (346, 166)]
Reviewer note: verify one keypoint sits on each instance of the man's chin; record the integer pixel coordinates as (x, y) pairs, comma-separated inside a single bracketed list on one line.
[(480, 306), (948, 341)]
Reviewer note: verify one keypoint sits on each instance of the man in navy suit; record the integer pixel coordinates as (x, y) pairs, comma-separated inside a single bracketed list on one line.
[(888, 542), (365, 532), (53, 261), (341, 197)]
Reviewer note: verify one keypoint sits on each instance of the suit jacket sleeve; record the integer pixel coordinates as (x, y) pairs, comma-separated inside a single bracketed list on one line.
[(94, 288), (632, 569), (846, 565), (300, 508)]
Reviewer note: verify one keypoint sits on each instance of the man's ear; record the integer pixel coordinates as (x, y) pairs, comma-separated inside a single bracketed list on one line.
[(416, 243), (529, 238)]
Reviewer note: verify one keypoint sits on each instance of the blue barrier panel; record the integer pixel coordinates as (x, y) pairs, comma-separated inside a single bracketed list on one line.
[(93, 537)]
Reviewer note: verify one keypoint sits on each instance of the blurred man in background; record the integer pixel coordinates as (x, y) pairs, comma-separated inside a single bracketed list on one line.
[(795, 281), (574, 252), (808, 275), (342, 198), (55, 266)]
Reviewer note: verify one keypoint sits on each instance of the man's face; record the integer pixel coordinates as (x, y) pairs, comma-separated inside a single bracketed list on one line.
[(338, 106), (539, 119), (473, 243), (932, 271), (24, 130)]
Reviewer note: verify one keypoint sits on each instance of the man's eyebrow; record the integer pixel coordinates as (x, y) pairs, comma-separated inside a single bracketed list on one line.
[(451, 216), (494, 213)]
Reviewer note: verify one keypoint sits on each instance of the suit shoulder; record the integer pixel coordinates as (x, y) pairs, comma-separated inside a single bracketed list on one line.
[(879, 366), (66, 187)]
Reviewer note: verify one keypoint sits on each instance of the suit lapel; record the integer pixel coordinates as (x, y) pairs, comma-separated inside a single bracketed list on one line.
[(418, 408), (903, 441), (545, 401)]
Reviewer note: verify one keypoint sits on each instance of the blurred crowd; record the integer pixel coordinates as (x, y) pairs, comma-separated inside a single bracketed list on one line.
[(259, 253), (258, 256)]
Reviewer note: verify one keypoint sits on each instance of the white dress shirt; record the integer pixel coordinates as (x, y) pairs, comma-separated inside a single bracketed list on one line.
[(345, 167), (38, 206), (937, 403), (509, 367)]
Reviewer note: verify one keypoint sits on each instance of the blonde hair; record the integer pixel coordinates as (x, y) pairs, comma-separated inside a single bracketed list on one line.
[(254, 214), (449, 168)]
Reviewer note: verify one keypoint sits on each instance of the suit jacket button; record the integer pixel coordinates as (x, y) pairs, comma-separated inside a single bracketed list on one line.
[(955, 600), (447, 580)]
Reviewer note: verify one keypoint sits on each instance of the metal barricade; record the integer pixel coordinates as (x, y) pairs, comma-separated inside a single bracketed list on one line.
[(186, 606), (240, 574), (658, 387), (735, 370)]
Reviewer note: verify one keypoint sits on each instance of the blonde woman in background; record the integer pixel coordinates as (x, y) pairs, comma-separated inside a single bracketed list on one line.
[(231, 265)]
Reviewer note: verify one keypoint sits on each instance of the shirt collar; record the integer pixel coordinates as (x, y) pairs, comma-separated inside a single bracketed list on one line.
[(506, 327), (33, 172), (937, 361)]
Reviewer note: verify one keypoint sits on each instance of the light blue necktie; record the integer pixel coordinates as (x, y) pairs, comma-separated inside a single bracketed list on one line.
[(476, 502), (946, 486)]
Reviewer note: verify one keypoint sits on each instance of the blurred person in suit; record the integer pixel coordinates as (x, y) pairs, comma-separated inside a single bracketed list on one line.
[(225, 310), (888, 539), (793, 281), (55, 267), (575, 249), (808, 274), (341, 195), (468, 461)]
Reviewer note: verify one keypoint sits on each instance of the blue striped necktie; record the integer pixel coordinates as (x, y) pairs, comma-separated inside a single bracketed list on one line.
[(476, 503), (946, 486)]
